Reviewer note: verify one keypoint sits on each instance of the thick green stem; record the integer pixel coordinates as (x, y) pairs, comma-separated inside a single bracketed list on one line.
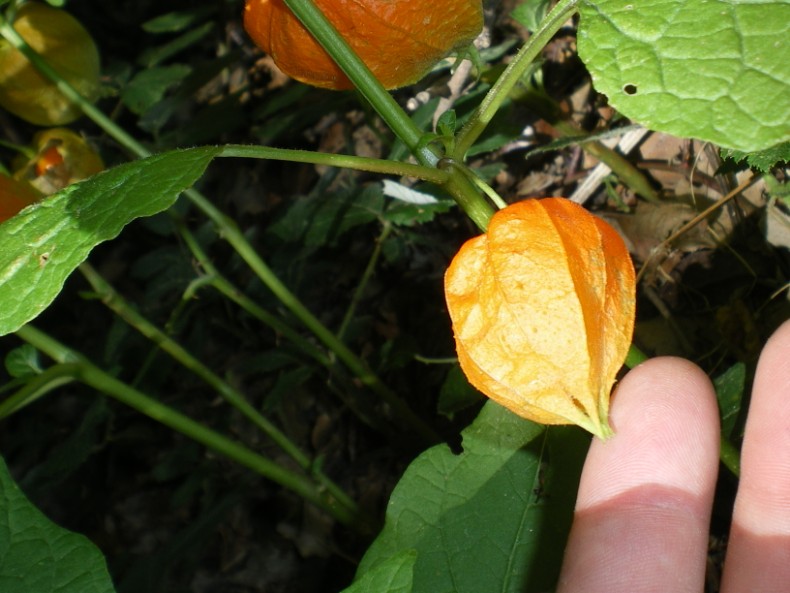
[(510, 77), (93, 376), (367, 84), (344, 161), (466, 195)]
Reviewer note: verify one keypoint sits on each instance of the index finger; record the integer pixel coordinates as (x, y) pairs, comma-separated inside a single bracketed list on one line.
[(642, 514)]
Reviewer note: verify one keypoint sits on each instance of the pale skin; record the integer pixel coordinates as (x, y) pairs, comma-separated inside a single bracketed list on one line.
[(644, 503)]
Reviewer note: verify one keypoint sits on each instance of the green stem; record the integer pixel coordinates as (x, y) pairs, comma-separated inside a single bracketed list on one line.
[(363, 282), (119, 305), (367, 84), (356, 402), (357, 163), (463, 190), (109, 126), (388, 109), (510, 77), (237, 240), (625, 171), (235, 237), (116, 303), (216, 280), (38, 386), (94, 377)]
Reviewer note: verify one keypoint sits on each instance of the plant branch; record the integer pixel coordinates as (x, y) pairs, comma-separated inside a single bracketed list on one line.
[(356, 365), (38, 386), (120, 307), (363, 282), (367, 84), (357, 163), (94, 377), (510, 77), (230, 231), (215, 279)]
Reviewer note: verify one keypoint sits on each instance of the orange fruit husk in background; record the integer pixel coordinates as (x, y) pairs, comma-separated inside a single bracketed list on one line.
[(62, 157), (542, 308), (67, 46), (14, 195), (399, 40)]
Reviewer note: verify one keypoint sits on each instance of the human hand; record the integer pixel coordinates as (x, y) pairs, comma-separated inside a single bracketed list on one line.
[(644, 503)]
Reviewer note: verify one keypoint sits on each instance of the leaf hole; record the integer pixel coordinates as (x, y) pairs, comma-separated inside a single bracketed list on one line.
[(629, 89)]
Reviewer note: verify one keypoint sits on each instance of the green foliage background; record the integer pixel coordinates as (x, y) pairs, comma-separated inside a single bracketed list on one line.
[(169, 514)]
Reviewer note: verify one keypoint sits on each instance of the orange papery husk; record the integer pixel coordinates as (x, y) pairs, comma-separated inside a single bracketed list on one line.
[(399, 40), (542, 307)]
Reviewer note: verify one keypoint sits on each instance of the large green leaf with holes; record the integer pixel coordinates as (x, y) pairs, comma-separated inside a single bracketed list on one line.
[(716, 70)]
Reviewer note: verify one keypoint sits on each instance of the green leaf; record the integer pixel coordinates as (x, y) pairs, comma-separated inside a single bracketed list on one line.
[(321, 219), (729, 393), (37, 556), (494, 518), (42, 245), (394, 575), (709, 69), (149, 86), (530, 13), (762, 160), (456, 393), (23, 362), (174, 22)]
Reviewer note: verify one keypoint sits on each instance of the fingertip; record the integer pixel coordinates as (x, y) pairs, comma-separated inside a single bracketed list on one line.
[(665, 419), (763, 495), (774, 365), (646, 493), (759, 546)]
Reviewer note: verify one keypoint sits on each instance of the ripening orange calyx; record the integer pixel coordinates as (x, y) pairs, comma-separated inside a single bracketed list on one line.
[(14, 195), (542, 308), (399, 40)]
